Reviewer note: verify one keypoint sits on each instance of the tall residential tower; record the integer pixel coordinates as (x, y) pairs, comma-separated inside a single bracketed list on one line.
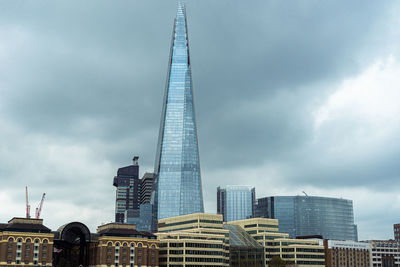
[(177, 189)]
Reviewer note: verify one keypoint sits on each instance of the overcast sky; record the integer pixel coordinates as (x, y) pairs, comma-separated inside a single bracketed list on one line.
[(290, 96)]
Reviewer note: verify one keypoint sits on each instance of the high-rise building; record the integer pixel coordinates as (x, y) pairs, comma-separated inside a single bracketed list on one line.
[(396, 230), (146, 185), (236, 202), (331, 218), (128, 188), (177, 167)]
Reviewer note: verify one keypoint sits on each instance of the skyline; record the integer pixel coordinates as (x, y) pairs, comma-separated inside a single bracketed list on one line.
[(301, 95)]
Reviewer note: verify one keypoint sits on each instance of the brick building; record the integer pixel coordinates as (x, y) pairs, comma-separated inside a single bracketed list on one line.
[(25, 242), (347, 253)]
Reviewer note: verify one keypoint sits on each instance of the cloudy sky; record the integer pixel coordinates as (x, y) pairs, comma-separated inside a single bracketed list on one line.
[(290, 96)]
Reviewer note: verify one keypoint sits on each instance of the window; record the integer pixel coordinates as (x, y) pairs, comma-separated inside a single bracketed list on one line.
[(153, 247), (10, 240), (28, 240), (44, 248), (20, 240), (36, 241), (43, 263), (140, 245), (44, 255), (45, 241), (109, 244), (27, 247)]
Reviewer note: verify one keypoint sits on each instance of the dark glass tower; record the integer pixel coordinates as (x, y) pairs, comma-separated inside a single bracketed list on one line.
[(177, 188), (128, 188)]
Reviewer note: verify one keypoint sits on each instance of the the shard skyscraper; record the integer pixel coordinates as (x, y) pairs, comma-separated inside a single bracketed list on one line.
[(177, 187)]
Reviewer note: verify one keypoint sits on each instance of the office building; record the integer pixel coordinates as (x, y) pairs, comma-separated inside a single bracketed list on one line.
[(193, 240), (236, 202), (384, 253), (295, 252), (142, 218), (396, 231), (347, 253), (128, 189), (146, 186), (25, 242), (177, 167), (243, 249), (331, 218)]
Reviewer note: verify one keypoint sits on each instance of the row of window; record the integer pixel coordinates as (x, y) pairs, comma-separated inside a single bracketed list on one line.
[(28, 240)]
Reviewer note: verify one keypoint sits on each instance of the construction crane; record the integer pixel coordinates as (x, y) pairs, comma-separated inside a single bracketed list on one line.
[(28, 207), (39, 208)]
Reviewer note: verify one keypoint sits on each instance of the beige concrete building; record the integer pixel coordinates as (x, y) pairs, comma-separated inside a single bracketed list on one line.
[(297, 252), (25, 242), (193, 240)]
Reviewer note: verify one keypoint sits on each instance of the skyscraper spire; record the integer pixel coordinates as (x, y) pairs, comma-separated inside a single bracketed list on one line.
[(178, 182)]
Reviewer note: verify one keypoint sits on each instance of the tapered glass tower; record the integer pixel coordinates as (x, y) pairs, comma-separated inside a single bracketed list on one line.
[(177, 188)]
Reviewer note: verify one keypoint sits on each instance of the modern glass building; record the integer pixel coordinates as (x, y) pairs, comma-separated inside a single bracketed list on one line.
[(177, 188), (332, 218), (236, 202)]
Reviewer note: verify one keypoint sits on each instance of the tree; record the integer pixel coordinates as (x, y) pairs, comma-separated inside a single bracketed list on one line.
[(276, 261)]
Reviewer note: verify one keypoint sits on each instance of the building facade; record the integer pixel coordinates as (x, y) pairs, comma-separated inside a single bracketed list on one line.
[(295, 252), (122, 245), (384, 253), (236, 202), (128, 189), (26, 242), (178, 188), (146, 187), (193, 240), (331, 218), (396, 231), (347, 253)]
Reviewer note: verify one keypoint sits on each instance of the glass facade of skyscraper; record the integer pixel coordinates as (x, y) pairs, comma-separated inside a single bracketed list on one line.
[(236, 202), (332, 218), (178, 183)]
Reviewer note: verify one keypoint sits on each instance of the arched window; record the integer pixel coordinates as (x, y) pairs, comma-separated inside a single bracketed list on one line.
[(28, 240), (117, 244), (140, 245), (20, 240), (125, 244), (132, 245), (153, 247), (10, 240), (109, 244), (36, 241), (45, 241)]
